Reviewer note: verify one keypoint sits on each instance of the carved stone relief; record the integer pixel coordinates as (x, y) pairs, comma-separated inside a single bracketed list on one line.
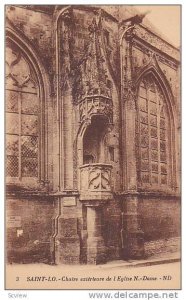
[(96, 177)]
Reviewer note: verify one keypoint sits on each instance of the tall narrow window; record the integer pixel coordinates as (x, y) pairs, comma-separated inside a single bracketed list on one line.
[(153, 133), (22, 109)]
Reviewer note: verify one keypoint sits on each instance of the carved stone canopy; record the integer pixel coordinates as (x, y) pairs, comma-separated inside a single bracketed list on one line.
[(94, 73)]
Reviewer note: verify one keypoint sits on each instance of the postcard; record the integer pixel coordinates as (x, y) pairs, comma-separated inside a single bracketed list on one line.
[(93, 130)]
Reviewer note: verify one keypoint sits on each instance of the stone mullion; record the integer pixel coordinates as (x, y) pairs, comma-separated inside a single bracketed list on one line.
[(41, 137), (61, 146), (149, 136), (130, 123), (19, 134), (131, 158), (167, 146), (158, 136), (140, 152), (60, 121)]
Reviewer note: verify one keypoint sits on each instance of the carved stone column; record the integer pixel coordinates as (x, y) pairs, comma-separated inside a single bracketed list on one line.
[(131, 234), (96, 250)]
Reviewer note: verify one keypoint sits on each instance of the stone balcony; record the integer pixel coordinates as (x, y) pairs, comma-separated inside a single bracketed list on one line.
[(97, 104), (95, 182)]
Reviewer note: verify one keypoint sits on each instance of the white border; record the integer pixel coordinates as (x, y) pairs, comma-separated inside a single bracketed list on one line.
[(84, 294)]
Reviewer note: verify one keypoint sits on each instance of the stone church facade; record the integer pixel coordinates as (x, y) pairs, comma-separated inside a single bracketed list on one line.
[(92, 135)]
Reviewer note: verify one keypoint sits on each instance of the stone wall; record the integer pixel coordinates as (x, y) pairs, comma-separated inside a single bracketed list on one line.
[(29, 229), (160, 222), (112, 229)]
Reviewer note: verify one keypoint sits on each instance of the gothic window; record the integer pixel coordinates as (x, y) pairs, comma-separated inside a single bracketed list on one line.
[(154, 134), (22, 109)]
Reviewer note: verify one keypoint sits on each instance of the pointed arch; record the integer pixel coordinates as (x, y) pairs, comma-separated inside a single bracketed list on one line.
[(17, 40), (154, 69), (156, 128)]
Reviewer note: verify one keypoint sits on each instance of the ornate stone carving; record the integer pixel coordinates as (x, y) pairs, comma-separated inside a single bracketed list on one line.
[(155, 41), (143, 54), (86, 75), (94, 74), (99, 179), (95, 180), (130, 94), (99, 105)]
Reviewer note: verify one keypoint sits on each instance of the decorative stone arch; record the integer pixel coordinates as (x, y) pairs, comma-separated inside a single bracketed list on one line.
[(153, 69), (78, 144), (18, 39)]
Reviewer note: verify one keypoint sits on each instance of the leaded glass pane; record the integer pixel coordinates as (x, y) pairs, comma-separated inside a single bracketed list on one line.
[(154, 155), (153, 120), (12, 166), (144, 141), (29, 124), (155, 167), (153, 132), (154, 178), (12, 101), (144, 165), (29, 146), (152, 96), (163, 168), (144, 117), (29, 103), (154, 144), (29, 167), (144, 153), (163, 179), (144, 129), (143, 104), (162, 134), (142, 92), (153, 108), (145, 177), (12, 145), (22, 110), (162, 145), (162, 156)]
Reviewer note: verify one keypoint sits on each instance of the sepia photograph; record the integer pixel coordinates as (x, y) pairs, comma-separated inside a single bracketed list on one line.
[(93, 147)]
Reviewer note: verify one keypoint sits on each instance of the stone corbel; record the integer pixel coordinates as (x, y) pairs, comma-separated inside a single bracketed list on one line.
[(130, 95)]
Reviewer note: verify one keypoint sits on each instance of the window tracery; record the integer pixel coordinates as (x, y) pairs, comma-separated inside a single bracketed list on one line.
[(22, 116), (154, 133)]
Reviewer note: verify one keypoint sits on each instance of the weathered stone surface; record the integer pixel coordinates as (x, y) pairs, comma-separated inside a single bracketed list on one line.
[(93, 115)]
